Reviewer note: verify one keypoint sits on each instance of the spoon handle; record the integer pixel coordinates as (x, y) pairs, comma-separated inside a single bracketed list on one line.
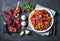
[(54, 31)]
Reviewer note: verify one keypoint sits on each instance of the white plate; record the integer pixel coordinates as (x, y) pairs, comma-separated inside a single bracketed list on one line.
[(48, 27)]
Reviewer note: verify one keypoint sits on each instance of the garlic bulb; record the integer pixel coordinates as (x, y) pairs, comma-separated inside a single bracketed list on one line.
[(27, 32), (23, 23), (23, 17)]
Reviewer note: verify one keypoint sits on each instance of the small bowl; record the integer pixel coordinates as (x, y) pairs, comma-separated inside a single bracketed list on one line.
[(51, 21)]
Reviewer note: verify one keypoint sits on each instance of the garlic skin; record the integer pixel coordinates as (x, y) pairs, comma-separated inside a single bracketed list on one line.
[(17, 14), (23, 17), (23, 28), (4, 23), (27, 32), (23, 23)]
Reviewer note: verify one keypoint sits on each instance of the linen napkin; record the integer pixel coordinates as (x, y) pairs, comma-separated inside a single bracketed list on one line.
[(53, 13)]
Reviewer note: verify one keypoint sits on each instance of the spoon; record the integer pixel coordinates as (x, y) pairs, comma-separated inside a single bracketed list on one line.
[(18, 4)]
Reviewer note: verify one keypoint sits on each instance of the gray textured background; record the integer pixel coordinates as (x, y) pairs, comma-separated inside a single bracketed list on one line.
[(53, 4)]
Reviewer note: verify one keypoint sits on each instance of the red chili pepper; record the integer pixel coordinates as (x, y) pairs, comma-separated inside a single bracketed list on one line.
[(8, 20), (14, 30), (17, 25), (14, 15), (18, 19), (10, 29), (4, 12), (13, 24), (11, 12)]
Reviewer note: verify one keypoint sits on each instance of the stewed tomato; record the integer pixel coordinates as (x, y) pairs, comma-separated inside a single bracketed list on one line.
[(40, 19)]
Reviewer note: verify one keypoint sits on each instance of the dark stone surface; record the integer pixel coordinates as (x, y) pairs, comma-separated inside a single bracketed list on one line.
[(53, 4)]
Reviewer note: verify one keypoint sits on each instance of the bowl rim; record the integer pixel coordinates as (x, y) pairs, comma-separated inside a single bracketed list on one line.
[(48, 27)]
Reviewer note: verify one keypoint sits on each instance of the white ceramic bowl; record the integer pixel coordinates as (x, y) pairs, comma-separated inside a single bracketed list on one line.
[(48, 27)]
